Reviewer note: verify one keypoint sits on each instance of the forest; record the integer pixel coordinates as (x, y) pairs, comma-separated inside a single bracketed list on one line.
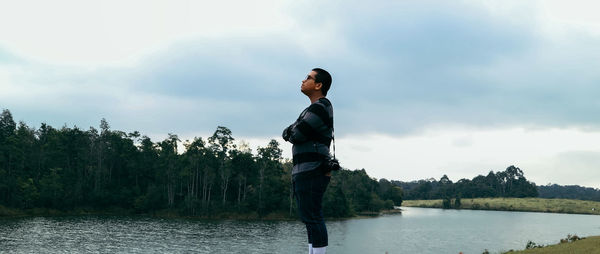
[(71, 168), (569, 192), (508, 183)]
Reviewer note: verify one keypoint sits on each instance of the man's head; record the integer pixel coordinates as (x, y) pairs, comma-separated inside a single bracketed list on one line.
[(317, 81)]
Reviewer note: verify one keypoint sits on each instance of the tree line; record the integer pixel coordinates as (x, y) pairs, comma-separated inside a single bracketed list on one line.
[(71, 168), (508, 183), (569, 192)]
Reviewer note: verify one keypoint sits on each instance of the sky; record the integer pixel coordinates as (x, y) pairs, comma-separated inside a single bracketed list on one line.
[(420, 88)]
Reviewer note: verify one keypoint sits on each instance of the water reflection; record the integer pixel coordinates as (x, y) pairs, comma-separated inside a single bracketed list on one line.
[(417, 230)]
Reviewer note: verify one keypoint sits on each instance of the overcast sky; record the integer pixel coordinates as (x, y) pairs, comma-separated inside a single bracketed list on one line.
[(420, 88)]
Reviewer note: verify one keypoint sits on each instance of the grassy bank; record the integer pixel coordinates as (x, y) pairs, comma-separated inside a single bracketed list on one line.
[(518, 204), (13, 212), (588, 245), (6, 212)]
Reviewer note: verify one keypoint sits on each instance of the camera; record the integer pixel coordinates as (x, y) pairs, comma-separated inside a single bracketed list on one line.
[(333, 165)]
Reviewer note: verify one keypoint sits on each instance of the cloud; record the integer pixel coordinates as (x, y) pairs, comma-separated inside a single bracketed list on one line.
[(398, 68), (116, 33), (186, 89), (260, 70), (564, 156), (576, 167), (459, 65), (443, 87)]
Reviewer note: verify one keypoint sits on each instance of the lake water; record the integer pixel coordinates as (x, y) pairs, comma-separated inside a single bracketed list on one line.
[(416, 230)]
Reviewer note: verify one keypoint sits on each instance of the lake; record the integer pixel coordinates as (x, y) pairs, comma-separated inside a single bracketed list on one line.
[(416, 230)]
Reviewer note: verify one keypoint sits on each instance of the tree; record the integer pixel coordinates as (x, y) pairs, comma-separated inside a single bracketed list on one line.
[(7, 125), (29, 193), (194, 155), (270, 174), (446, 203), (168, 157), (221, 142), (68, 168), (457, 202), (445, 188), (7, 142), (389, 191), (243, 166), (508, 183), (335, 202), (51, 189)]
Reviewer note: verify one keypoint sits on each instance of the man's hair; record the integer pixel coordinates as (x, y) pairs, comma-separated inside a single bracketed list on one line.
[(324, 78)]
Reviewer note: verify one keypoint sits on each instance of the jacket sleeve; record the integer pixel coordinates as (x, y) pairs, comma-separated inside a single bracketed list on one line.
[(309, 126)]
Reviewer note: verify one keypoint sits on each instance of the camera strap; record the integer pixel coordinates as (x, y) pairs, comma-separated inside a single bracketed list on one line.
[(333, 139)]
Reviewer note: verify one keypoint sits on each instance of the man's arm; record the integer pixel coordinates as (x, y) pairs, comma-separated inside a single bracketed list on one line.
[(309, 127)]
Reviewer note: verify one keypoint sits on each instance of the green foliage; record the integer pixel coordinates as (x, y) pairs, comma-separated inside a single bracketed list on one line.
[(71, 168), (390, 192), (335, 202), (28, 193), (51, 189), (569, 192), (533, 245), (375, 203), (508, 183), (446, 203), (457, 203), (518, 204), (581, 245), (571, 238)]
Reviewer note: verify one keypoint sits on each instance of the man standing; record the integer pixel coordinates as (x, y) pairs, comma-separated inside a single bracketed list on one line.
[(311, 137)]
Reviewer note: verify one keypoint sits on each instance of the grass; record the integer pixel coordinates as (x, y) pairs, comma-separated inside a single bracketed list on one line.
[(6, 212), (15, 212), (588, 245), (517, 204)]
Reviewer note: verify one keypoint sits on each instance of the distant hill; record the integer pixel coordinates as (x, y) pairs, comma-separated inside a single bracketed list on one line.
[(569, 192)]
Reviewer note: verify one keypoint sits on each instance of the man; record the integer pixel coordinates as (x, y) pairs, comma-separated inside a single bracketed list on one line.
[(311, 136)]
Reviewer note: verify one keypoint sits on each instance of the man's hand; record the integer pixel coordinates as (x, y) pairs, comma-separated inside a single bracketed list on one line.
[(287, 133)]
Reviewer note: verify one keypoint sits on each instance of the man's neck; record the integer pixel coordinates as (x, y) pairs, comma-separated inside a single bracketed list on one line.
[(315, 97)]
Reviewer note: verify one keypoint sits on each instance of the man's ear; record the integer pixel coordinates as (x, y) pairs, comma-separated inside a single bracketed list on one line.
[(318, 86)]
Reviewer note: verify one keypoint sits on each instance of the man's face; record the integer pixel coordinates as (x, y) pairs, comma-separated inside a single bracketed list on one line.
[(308, 84)]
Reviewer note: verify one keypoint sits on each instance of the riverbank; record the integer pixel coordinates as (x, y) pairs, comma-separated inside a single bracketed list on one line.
[(569, 206), (6, 212), (588, 245)]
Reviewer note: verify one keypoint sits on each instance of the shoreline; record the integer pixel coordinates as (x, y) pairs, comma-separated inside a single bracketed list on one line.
[(8, 213), (588, 244), (541, 205)]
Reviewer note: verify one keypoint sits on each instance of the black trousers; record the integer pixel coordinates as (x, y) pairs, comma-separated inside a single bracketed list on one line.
[(309, 191)]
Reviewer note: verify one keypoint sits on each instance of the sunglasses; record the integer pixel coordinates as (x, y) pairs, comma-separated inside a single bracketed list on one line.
[(309, 77)]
